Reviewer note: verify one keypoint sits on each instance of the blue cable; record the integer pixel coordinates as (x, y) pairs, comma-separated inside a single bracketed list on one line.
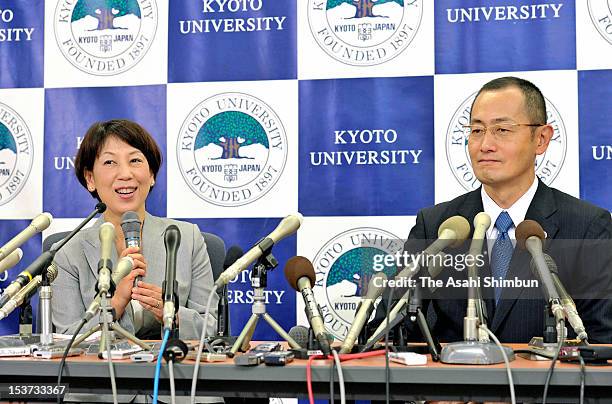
[(158, 365)]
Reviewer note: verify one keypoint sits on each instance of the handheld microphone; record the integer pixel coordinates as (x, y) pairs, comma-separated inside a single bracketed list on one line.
[(233, 253), (38, 224), (130, 225), (530, 235), (172, 241), (301, 276), (26, 292), (286, 227), (566, 300), (105, 265), (124, 267), (11, 260), (376, 286)]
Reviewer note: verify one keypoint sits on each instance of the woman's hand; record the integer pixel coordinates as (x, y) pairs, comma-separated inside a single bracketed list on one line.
[(123, 292), (150, 297)]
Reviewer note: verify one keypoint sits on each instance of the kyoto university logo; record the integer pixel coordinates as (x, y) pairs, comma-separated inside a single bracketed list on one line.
[(601, 15), (232, 149), (547, 165), (105, 37), (364, 32), (16, 154), (344, 267)]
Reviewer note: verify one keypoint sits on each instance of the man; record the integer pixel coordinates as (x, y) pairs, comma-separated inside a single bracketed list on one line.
[(507, 131)]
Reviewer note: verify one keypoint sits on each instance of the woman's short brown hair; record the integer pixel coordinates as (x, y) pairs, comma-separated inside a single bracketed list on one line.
[(123, 129)]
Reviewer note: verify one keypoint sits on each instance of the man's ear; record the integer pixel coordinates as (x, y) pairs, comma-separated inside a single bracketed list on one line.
[(543, 136)]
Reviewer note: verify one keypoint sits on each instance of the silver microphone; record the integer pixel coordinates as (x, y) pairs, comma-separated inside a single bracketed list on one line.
[(11, 260), (27, 291), (124, 267), (38, 224), (376, 286), (105, 266)]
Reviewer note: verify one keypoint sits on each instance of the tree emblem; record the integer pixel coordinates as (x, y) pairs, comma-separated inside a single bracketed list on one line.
[(6, 140), (105, 11), (356, 266), (231, 130), (363, 8)]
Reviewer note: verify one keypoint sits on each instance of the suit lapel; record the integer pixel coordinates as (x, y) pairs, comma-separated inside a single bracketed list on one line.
[(153, 248), (542, 210)]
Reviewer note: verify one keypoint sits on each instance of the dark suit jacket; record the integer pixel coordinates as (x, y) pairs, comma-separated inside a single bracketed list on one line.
[(572, 226)]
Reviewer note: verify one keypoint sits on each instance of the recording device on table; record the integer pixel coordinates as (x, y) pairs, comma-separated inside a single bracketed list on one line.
[(256, 355)]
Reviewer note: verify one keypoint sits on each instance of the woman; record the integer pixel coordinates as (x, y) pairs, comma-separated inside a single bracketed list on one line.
[(118, 162)]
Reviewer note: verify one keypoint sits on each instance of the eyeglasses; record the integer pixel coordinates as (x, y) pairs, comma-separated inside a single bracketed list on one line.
[(500, 131)]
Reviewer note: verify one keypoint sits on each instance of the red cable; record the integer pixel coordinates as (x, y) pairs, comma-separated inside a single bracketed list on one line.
[(343, 357)]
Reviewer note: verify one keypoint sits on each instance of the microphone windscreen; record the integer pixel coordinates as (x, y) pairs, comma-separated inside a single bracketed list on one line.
[(101, 207), (459, 225), (300, 334), (232, 256), (298, 267), (130, 223), (526, 229)]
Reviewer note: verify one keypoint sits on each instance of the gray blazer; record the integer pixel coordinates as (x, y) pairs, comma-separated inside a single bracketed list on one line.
[(74, 287)]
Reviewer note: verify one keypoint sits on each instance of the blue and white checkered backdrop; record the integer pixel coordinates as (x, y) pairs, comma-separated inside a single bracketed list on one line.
[(349, 111)]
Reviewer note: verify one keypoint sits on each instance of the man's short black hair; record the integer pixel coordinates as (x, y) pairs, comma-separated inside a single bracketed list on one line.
[(534, 100)]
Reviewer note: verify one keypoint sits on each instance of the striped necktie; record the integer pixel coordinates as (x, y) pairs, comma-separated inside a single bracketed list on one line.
[(501, 254)]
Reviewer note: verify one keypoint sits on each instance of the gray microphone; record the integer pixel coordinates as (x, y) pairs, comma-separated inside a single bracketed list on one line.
[(38, 224), (124, 267), (130, 225), (27, 291), (530, 235), (105, 265), (376, 286), (566, 300), (301, 276), (11, 260)]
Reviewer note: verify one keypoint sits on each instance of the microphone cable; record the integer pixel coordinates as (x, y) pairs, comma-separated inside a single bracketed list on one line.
[(340, 376), (63, 361), (342, 357), (106, 338), (506, 361), (582, 378), (196, 368), (387, 330), (554, 360), (162, 348), (172, 388)]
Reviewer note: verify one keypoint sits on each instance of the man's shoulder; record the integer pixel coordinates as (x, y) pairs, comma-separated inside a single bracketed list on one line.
[(571, 205), (452, 207)]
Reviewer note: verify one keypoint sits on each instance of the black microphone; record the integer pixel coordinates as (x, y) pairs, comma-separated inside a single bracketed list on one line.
[(172, 241), (130, 225), (566, 300), (530, 236), (44, 260), (232, 255), (301, 276)]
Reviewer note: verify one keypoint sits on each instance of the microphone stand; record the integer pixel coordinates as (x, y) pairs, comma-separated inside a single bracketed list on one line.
[(113, 326), (547, 344), (413, 311), (259, 280)]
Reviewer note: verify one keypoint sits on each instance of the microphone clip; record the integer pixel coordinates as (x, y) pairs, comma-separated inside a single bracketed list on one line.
[(108, 264)]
